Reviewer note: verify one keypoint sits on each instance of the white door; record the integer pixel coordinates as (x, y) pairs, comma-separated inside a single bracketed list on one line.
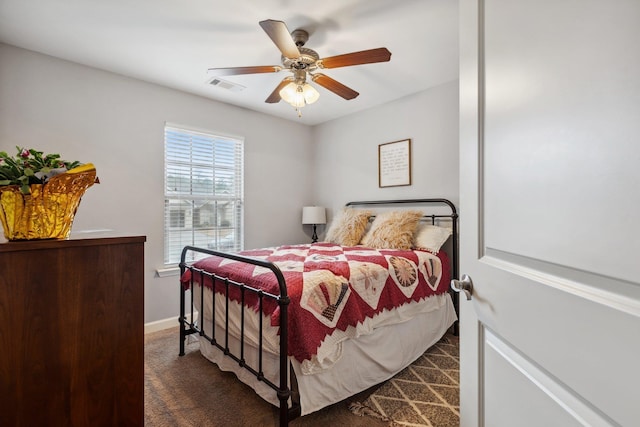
[(550, 212)]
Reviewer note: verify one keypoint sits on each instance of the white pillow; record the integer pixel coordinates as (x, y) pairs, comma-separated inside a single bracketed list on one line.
[(431, 237)]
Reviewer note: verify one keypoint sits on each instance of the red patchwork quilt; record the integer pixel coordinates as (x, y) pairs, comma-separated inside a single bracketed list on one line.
[(332, 287)]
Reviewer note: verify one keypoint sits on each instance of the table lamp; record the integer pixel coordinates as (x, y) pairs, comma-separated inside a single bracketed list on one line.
[(314, 215)]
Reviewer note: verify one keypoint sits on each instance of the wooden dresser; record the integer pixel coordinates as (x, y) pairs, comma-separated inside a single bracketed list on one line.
[(72, 332)]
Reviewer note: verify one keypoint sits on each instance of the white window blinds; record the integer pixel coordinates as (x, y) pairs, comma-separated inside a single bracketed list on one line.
[(203, 196)]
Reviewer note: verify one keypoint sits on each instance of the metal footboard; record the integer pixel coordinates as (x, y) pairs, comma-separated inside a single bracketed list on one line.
[(189, 326)]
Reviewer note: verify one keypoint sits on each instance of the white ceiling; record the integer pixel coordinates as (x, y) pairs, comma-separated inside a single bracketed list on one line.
[(174, 42)]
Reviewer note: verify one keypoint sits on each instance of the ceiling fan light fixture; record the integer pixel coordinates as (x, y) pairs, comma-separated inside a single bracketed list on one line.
[(299, 95), (310, 94), (288, 93)]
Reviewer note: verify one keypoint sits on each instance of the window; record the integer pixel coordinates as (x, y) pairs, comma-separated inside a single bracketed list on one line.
[(203, 192)]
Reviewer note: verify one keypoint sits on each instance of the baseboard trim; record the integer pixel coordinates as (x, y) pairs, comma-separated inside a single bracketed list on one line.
[(161, 325)]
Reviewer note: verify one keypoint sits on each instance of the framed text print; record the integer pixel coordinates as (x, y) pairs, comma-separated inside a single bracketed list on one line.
[(394, 163)]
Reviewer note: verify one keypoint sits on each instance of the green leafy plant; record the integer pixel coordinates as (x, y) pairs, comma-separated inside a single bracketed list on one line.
[(30, 166)]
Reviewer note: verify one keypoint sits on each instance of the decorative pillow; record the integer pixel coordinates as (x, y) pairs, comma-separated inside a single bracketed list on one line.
[(431, 237), (393, 230), (348, 227)]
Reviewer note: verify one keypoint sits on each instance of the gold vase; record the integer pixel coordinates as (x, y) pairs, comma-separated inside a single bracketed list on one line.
[(48, 212)]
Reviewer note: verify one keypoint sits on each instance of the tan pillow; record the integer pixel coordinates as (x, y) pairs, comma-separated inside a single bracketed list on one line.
[(348, 227), (393, 230)]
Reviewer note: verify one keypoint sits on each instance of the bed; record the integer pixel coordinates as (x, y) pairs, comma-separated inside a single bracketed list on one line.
[(309, 325)]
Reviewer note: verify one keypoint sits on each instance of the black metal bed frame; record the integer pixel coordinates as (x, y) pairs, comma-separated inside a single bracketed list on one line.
[(189, 326)]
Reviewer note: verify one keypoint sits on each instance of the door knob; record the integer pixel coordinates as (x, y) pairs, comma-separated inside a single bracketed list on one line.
[(464, 285)]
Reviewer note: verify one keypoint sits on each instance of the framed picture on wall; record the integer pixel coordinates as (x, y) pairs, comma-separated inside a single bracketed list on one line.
[(394, 163)]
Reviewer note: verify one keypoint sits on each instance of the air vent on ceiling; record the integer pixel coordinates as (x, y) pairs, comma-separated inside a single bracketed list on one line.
[(223, 84)]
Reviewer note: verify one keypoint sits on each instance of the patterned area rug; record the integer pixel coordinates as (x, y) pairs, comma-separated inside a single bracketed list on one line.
[(424, 394)]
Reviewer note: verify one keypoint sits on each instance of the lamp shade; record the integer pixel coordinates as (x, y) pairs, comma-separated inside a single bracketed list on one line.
[(313, 215)]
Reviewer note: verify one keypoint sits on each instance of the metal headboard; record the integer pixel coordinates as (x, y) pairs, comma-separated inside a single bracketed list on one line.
[(453, 216)]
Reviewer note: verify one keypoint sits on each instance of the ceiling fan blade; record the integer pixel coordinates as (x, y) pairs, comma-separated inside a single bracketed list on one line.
[(231, 71), (280, 35), (380, 54), (334, 86), (274, 98)]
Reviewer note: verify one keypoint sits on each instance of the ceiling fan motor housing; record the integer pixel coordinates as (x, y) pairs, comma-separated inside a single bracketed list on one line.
[(307, 59)]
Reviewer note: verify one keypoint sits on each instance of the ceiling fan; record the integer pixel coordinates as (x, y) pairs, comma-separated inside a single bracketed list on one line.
[(304, 63)]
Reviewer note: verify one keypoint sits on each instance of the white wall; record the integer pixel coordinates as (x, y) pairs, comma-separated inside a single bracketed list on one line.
[(117, 123), (346, 149)]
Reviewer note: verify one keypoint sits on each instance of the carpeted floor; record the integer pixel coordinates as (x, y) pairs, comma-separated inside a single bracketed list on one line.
[(424, 394), (191, 391)]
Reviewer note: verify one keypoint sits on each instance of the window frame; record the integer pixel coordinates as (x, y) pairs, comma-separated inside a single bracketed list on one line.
[(203, 191)]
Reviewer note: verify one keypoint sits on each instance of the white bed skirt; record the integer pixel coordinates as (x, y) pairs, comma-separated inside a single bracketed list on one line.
[(364, 362)]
